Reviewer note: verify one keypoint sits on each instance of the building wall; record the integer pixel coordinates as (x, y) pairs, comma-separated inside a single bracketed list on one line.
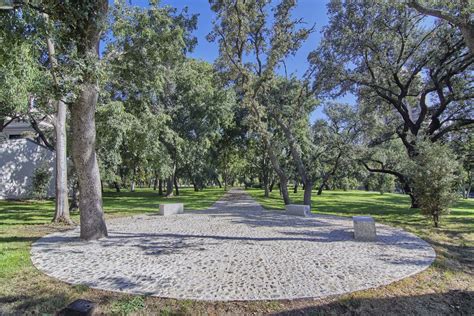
[(19, 159)]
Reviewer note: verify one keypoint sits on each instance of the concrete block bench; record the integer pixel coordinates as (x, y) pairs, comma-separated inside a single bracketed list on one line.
[(298, 210), (364, 228), (171, 209)]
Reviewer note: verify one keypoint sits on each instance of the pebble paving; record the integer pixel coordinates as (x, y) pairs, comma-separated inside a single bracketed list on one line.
[(234, 250)]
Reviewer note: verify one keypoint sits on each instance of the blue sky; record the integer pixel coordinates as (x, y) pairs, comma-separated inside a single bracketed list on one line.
[(312, 12)]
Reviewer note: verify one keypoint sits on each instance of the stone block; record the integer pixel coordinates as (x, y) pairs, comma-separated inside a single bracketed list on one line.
[(171, 209), (298, 210), (364, 228)]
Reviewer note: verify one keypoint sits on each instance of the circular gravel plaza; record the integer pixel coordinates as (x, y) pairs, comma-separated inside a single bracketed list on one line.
[(233, 251)]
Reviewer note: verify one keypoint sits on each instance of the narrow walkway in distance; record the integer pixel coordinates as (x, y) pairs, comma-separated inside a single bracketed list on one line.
[(235, 250)]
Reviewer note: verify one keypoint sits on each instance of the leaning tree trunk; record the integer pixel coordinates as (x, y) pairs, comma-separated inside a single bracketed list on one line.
[(403, 181), (61, 214), (279, 171), (219, 184), (85, 161), (328, 175), (295, 153), (320, 189)]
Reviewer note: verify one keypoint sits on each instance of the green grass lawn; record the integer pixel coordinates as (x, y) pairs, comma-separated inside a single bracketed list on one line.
[(115, 204), (390, 208), (445, 288)]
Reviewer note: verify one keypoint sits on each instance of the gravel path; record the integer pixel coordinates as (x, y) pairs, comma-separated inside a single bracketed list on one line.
[(233, 251)]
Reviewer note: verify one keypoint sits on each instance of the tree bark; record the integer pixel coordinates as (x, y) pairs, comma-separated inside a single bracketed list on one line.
[(116, 186), (83, 126), (160, 187), (85, 161), (308, 191), (218, 182), (74, 206), (320, 189), (175, 181), (266, 190), (330, 174), (295, 188), (436, 219), (155, 183), (169, 186), (61, 214), (279, 171), (295, 153)]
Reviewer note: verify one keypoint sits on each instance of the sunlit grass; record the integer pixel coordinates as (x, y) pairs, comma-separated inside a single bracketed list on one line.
[(115, 204), (349, 203)]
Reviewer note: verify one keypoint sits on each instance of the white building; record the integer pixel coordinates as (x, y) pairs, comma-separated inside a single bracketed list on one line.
[(21, 153)]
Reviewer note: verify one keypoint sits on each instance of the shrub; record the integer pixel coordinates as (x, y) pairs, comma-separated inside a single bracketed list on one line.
[(434, 174), (40, 183)]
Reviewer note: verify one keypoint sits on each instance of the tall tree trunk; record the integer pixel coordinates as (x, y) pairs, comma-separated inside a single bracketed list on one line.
[(175, 181), (83, 125), (61, 214), (85, 161), (308, 190), (295, 153), (436, 219), (169, 186), (155, 181), (295, 188), (218, 182), (279, 171), (132, 182), (266, 190), (160, 187), (117, 187)]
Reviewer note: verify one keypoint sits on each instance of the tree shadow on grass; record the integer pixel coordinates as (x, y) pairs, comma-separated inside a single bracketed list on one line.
[(17, 239), (450, 303)]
